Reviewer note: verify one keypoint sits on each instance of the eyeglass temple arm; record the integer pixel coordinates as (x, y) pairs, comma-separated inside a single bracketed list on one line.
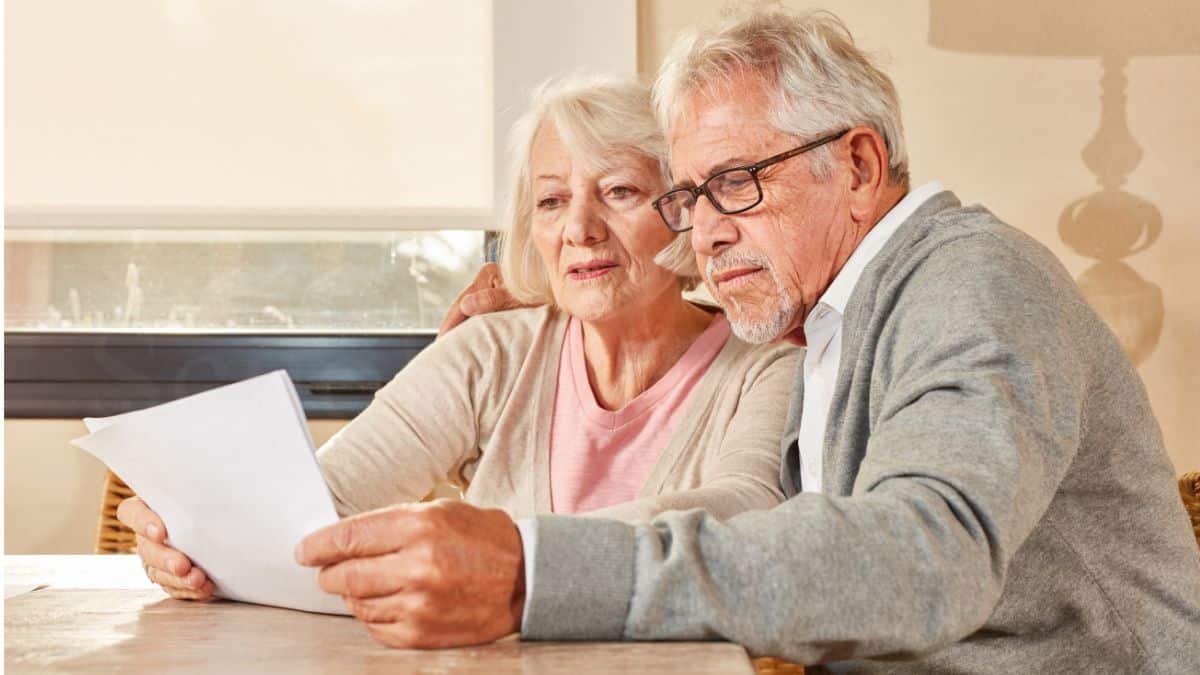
[(759, 166)]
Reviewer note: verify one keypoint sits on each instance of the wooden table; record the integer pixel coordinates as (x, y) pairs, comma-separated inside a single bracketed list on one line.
[(99, 614)]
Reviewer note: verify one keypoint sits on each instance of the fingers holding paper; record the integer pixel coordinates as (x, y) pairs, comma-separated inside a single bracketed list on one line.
[(430, 575), (164, 565), (193, 585)]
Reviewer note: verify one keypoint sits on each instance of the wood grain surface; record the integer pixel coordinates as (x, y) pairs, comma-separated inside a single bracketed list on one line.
[(104, 630)]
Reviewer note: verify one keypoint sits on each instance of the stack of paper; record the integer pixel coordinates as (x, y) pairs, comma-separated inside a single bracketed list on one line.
[(233, 474)]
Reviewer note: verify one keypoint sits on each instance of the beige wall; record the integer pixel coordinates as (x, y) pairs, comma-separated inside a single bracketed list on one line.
[(52, 490), (1000, 112)]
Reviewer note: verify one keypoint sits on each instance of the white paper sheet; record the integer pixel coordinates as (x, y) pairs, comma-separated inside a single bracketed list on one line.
[(233, 474)]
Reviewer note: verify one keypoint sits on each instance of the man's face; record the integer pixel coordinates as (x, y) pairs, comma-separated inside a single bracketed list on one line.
[(767, 267)]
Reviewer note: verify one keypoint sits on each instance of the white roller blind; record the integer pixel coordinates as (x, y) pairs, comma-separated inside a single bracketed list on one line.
[(282, 114), (245, 106)]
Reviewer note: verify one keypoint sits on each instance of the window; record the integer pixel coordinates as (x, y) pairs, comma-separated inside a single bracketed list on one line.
[(235, 281), (265, 177)]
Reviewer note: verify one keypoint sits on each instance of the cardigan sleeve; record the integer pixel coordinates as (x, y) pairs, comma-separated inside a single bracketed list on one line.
[(742, 473), (420, 429)]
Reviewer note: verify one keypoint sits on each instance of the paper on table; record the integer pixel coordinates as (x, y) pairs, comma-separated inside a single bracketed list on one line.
[(233, 474)]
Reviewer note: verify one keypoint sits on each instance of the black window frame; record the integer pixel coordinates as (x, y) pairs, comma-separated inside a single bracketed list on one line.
[(74, 375)]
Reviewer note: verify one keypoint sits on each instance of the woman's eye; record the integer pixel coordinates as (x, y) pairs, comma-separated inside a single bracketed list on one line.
[(548, 203), (622, 191)]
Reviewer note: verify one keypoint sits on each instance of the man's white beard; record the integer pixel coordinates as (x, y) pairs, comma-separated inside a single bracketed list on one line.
[(778, 317)]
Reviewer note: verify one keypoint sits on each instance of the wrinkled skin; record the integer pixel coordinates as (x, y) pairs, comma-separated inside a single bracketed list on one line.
[(424, 576)]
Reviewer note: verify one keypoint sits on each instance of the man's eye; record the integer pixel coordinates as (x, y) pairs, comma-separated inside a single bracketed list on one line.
[(622, 191)]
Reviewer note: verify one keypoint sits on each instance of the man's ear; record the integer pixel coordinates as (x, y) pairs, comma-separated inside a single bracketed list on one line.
[(869, 163)]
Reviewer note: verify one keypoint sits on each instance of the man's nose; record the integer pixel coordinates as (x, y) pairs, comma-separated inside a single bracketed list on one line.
[(585, 224), (712, 231)]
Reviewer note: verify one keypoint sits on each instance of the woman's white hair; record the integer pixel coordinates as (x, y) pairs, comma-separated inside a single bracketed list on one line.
[(599, 118), (818, 80)]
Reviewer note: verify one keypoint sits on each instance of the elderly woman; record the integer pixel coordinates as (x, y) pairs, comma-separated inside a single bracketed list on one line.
[(617, 397)]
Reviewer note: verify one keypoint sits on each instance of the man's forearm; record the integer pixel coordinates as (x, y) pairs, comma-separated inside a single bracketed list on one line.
[(809, 580), (582, 579)]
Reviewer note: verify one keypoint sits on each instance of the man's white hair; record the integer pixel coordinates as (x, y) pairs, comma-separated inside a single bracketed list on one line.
[(599, 118), (819, 82)]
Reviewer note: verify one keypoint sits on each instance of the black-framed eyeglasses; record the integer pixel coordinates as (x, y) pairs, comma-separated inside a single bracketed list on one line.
[(730, 191)]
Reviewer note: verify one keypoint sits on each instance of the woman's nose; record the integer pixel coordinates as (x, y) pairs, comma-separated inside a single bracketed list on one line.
[(585, 224)]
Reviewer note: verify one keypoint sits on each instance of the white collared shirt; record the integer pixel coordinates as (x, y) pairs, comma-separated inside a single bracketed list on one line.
[(823, 332)]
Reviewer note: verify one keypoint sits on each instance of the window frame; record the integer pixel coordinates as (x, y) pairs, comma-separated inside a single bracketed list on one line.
[(71, 375)]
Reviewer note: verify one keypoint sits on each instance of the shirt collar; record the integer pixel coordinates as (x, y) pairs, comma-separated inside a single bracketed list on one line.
[(838, 293)]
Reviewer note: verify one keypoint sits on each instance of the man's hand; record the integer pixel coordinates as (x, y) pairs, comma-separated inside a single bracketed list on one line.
[(440, 574), (485, 295), (164, 565)]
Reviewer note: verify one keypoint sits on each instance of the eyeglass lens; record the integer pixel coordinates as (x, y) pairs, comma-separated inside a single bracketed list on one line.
[(730, 191), (734, 189)]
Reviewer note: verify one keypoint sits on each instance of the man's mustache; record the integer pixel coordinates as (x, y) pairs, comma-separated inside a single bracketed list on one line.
[(731, 259)]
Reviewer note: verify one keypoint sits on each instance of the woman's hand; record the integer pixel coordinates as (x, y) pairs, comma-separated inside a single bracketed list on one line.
[(164, 565)]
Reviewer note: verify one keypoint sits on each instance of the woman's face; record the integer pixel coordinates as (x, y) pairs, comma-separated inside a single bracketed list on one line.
[(595, 229)]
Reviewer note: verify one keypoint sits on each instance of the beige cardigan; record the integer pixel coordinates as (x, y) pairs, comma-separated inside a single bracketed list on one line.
[(474, 409)]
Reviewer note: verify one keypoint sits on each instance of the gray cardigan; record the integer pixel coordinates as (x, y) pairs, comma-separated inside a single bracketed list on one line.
[(997, 496)]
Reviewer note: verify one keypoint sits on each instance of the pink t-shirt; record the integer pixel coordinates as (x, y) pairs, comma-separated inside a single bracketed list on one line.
[(600, 457)]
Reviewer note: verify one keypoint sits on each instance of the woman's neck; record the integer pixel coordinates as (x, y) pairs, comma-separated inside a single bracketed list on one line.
[(627, 354)]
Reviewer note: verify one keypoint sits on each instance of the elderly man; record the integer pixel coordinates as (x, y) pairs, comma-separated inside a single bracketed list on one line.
[(977, 481)]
